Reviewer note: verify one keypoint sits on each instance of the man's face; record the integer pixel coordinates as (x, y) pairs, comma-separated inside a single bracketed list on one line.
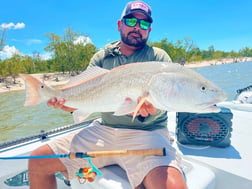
[(134, 36)]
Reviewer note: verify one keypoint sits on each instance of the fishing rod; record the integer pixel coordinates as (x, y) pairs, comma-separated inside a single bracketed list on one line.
[(95, 154), (90, 173)]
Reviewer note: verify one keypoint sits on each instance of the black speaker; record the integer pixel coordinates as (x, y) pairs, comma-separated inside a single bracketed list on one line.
[(212, 129)]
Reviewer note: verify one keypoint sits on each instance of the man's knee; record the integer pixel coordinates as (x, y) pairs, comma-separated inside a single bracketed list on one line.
[(164, 177), (44, 165), (175, 179)]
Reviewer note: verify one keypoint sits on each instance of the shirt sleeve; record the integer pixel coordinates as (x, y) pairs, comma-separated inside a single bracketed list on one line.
[(97, 59), (162, 55)]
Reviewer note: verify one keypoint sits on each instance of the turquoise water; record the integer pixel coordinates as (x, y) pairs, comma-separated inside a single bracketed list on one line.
[(229, 77), (17, 121)]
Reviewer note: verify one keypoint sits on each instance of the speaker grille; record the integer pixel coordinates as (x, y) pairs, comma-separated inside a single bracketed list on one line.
[(204, 129)]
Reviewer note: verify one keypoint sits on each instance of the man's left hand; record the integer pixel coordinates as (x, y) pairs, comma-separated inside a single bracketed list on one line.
[(146, 109)]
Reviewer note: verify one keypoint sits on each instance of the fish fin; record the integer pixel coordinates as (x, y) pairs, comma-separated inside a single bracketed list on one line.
[(139, 105), (88, 74), (79, 116), (128, 106), (32, 86)]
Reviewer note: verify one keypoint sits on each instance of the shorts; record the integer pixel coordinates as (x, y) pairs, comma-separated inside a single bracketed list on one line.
[(97, 137)]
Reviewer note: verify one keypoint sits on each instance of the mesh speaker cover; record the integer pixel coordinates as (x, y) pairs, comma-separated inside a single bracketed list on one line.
[(212, 129)]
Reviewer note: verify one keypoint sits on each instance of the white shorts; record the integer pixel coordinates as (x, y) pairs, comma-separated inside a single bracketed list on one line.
[(98, 137)]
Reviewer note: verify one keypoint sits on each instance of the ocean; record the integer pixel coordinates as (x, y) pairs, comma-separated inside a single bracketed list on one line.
[(17, 121)]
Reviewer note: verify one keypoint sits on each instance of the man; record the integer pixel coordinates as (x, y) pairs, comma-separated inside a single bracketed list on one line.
[(148, 130)]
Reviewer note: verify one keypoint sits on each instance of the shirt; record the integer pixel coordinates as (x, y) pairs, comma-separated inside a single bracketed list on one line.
[(111, 57)]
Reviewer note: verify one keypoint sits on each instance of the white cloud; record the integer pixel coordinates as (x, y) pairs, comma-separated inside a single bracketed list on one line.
[(33, 41), (7, 26), (8, 52), (82, 40), (11, 25), (19, 25)]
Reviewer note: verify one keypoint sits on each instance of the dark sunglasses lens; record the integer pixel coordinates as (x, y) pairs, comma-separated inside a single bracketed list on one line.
[(130, 21), (144, 24)]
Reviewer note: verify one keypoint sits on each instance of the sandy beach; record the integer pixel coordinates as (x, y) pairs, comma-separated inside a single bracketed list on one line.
[(218, 62), (50, 79), (57, 79)]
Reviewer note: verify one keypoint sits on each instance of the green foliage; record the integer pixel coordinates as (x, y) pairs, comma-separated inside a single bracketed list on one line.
[(69, 56), (246, 52), (185, 51), (72, 57), (12, 66), (38, 64)]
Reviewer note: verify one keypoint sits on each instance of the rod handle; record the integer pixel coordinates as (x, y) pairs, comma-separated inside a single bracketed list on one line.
[(142, 152)]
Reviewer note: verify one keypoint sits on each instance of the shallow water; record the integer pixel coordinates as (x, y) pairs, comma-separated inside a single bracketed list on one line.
[(18, 121), (229, 77)]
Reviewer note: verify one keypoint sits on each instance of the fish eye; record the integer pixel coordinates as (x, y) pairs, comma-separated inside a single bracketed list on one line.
[(203, 88), (42, 86)]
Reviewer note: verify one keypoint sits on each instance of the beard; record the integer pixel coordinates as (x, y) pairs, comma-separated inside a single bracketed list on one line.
[(134, 41)]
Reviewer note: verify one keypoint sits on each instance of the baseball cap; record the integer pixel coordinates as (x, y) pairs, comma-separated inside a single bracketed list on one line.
[(137, 6)]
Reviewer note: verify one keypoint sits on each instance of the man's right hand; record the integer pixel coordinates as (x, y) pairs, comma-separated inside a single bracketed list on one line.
[(59, 104)]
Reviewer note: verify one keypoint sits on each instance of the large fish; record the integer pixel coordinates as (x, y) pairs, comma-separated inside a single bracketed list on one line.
[(167, 86)]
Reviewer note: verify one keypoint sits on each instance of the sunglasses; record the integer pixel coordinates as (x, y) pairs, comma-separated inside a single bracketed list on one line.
[(131, 22)]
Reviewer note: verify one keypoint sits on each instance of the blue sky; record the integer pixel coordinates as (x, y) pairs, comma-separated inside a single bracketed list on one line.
[(225, 24)]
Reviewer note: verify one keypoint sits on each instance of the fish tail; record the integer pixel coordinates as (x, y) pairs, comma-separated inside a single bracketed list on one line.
[(32, 87)]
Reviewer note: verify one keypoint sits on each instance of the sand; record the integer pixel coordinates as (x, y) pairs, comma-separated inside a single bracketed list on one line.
[(218, 62), (50, 79)]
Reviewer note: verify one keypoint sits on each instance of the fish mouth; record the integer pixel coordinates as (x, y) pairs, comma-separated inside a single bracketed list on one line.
[(209, 107)]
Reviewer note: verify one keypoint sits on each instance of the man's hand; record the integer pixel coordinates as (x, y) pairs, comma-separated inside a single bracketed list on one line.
[(59, 104), (146, 109)]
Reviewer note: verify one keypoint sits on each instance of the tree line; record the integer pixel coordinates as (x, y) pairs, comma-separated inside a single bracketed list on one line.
[(71, 57)]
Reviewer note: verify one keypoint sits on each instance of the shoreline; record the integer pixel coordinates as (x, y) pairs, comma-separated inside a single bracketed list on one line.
[(58, 79), (50, 79), (218, 62)]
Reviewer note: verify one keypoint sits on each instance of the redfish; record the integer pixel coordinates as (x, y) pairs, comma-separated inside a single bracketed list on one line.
[(167, 86)]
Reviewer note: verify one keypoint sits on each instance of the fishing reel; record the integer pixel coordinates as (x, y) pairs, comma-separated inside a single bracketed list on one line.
[(88, 173)]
